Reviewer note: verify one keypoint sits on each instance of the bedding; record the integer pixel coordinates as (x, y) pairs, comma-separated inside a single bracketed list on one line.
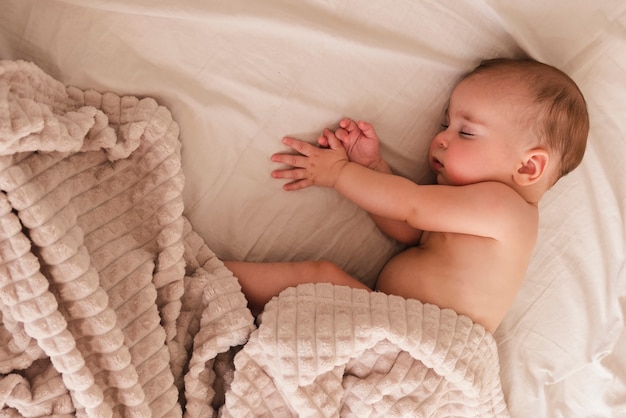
[(106, 294), (237, 76), (324, 350)]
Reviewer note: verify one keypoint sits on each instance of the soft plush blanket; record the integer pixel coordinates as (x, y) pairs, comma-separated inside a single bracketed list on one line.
[(329, 351), (110, 304)]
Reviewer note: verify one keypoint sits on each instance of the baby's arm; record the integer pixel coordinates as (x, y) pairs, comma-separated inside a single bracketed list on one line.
[(363, 147), (486, 209)]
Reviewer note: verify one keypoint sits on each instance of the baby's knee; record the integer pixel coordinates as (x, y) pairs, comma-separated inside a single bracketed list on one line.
[(325, 268), (327, 272)]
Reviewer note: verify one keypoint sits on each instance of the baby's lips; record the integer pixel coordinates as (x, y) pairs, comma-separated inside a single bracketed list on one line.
[(436, 164)]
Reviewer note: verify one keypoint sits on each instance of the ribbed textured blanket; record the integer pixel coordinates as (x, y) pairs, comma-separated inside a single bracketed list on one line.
[(330, 351), (110, 304)]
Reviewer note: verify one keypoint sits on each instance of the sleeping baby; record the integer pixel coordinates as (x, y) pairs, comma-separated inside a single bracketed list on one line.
[(511, 130)]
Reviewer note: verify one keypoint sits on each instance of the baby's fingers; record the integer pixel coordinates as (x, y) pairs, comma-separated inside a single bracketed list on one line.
[(297, 185), (322, 141), (298, 175), (368, 129), (344, 132), (302, 147), (342, 135), (293, 160), (348, 124), (333, 141), (290, 174)]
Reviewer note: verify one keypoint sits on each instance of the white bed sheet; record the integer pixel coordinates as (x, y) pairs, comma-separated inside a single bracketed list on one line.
[(239, 75)]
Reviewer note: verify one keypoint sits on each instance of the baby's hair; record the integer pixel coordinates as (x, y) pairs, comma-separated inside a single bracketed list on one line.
[(561, 120)]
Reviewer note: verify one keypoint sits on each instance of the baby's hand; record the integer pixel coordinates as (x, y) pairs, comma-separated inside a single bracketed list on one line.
[(313, 166), (360, 141)]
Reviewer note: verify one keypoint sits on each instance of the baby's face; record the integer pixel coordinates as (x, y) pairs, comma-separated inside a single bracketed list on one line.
[(484, 136)]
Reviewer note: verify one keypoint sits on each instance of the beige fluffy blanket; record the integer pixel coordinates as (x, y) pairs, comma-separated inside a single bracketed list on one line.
[(110, 305), (330, 351)]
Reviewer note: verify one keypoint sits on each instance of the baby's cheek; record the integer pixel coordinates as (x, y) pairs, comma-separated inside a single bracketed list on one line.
[(459, 176)]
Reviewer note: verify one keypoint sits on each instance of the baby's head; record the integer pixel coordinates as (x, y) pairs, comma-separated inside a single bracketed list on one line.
[(558, 121)]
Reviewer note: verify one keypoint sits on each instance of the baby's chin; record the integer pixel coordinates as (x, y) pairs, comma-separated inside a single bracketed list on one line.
[(445, 181), (441, 180)]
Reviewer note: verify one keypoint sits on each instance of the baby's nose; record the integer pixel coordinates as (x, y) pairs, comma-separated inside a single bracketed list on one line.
[(441, 141)]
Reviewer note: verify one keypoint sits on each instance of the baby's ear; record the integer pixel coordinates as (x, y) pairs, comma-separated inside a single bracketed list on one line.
[(533, 166)]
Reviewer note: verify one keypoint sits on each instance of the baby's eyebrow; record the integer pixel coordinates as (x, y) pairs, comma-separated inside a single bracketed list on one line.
[(471, 119), (464, 115)]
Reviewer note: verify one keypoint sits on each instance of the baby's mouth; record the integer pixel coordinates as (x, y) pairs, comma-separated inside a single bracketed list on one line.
[(436, 164)]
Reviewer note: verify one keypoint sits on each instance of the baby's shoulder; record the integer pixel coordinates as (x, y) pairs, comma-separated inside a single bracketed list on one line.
[(498, 193), (504, 206)]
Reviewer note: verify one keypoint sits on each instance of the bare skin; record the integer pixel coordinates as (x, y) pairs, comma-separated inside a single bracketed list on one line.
[(471, 235)]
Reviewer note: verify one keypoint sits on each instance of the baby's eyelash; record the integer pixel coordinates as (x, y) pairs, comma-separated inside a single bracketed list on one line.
[(462, 133)]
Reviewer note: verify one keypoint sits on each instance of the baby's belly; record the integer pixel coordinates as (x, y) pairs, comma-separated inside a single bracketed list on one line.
[(414, 274), (421, 275)]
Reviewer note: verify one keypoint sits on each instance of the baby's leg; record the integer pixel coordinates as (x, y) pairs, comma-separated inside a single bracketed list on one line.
[(262, 281)]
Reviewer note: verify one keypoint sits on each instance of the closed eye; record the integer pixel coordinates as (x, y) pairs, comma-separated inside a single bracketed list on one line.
[(446, 125)]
